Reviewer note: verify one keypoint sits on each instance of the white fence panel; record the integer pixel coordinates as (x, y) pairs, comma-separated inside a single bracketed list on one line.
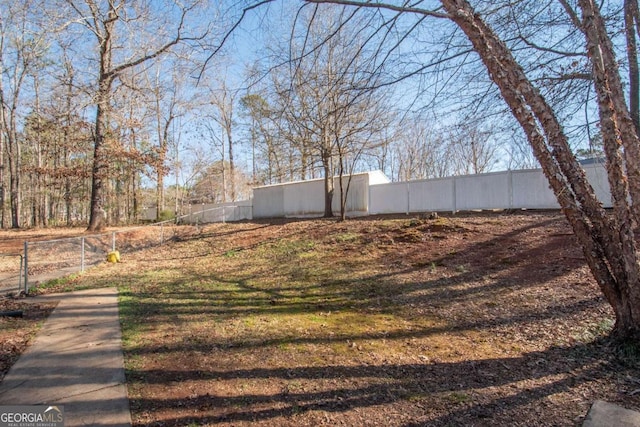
[(432, 195), (306, 198), (208, 212), (522, 189), (485, 191), (303, 198), (389, 198), (268, 202), (531, 190), (597, 176), (357, 196)]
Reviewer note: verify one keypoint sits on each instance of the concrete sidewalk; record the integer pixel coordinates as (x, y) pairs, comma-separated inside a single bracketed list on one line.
[(75, 361)]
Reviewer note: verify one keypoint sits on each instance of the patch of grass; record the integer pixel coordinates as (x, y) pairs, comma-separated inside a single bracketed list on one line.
[(596, 331), (346, 237), (286, 250), (67, 283), (458, 397), (230, 253)]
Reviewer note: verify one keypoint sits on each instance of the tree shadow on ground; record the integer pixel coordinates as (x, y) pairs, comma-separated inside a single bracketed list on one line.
[(453, 392), (391, 291)]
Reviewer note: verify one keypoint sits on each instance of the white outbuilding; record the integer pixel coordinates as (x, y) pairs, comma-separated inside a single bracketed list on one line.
[(306, 198)]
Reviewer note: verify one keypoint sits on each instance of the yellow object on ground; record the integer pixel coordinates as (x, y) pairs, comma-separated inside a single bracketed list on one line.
[(113, 257)]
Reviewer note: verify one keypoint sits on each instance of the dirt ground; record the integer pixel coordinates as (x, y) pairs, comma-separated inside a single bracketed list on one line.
[(477, 319)]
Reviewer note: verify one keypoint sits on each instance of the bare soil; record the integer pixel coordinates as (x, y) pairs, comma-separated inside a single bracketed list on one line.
[(478, 319)]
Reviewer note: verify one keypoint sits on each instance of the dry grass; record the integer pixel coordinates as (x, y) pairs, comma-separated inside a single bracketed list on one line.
[(470, 320)]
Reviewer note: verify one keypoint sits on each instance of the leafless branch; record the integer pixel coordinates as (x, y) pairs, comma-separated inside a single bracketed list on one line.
[(572, 14), (396, 8), (229, 33), (549, 50)]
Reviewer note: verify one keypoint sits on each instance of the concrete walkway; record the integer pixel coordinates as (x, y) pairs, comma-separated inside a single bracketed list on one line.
[(75, 361), (604, 414)]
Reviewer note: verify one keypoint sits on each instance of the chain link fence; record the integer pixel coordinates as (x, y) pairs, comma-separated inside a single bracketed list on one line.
[(46, 260), (11, 270), (52, 259)]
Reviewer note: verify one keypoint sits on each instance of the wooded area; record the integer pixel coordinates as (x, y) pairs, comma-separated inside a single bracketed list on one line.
[(109, 107)]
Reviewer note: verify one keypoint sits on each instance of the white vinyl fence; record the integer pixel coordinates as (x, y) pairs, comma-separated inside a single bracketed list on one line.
[(209, 213), (522, 189), (370, 193)]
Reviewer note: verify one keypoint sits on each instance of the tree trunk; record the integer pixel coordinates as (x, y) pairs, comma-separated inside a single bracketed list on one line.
[(618, 130), (14, 152), (630, 19), (329, 185), (100, 164), (612, 264), (343, 193), (3, 188), (4, 127), (14, 187), (160, 187), (232, 167), (163, 146), (328, 193), (614, 112)]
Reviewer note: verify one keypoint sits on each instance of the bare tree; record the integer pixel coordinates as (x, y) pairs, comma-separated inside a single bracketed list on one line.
[(21, 52), (420, 152), (214, 135), (607, 241), (255, 108), (224, 99), (472, 149), (268, 135), (328, 106), (166, 89), (111, 23), (632, 31)]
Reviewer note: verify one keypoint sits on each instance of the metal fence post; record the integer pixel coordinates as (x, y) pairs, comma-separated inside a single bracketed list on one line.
[(82, 255), (26, 270), (113, 241), (20, 275)]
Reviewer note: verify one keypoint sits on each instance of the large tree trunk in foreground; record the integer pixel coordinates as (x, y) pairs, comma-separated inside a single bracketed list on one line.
[(631, 18), (607, 240)]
